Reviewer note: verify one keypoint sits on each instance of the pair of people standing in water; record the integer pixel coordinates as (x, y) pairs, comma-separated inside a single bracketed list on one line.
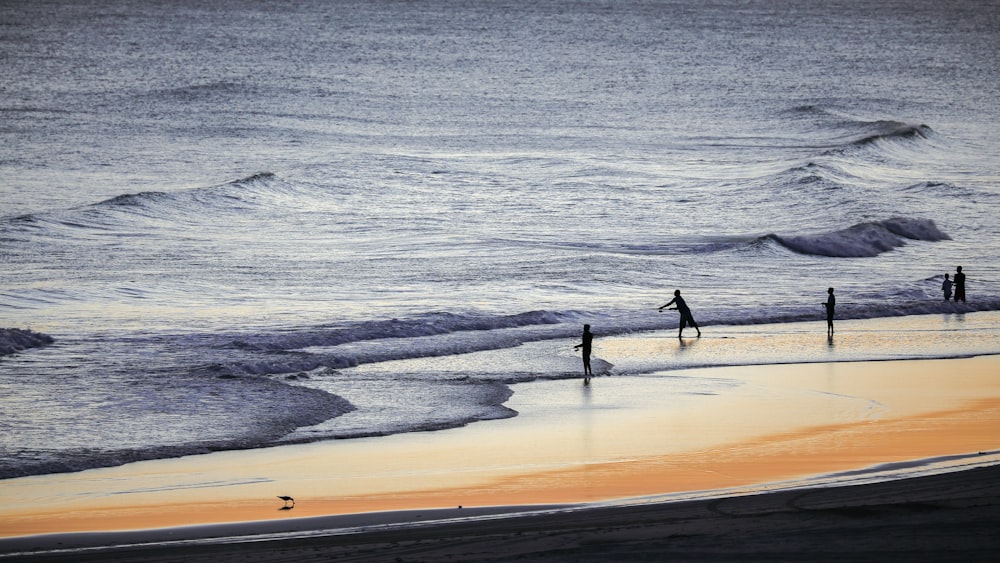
[(958, 283)]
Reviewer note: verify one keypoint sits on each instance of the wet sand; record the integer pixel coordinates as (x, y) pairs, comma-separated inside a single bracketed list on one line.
[(945, 517), (618, 438)]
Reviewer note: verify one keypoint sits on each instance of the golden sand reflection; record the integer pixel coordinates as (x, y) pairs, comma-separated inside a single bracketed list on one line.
[(619, 437)]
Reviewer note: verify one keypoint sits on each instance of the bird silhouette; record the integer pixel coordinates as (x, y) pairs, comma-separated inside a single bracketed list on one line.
[(287, 500)]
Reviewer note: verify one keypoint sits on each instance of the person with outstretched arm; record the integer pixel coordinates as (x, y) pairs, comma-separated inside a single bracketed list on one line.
[(682, 308)]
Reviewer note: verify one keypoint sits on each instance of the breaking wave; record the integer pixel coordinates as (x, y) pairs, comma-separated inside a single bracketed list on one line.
[(14, 340), (887, 130), (864, 239), (431, 324)]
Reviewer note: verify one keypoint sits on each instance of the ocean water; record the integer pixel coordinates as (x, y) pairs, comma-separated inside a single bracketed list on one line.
[(234, 224)]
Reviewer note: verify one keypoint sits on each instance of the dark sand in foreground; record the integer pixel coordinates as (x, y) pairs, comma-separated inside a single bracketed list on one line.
[(946, 517)]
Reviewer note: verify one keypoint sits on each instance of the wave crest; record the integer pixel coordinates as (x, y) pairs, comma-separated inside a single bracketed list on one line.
[(254, 178), (15, 340), (133, 200), (432, 324), (885, 130), (429, 335), (853, 131), (863, 240), (143, 198)]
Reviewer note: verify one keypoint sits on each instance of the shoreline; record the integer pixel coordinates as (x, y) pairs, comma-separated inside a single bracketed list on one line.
[(593, 448), (942, 516)]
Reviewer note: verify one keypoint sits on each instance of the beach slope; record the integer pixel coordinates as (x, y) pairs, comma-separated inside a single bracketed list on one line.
[(945, 517)]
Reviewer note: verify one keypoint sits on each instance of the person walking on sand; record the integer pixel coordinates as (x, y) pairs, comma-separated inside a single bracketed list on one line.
[(682, 308), (588, 338), (959, 285), (831, 302), (946, 287)]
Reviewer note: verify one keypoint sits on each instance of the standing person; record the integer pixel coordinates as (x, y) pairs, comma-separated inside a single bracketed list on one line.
[(831, 302), (682, 308), (588, 337), (946, 287), (959, 286)]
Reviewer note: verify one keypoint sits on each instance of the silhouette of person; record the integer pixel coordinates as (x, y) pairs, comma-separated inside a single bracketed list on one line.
[(959, 286), (946, 287), (588, 337), (831, 302), (682, 308)]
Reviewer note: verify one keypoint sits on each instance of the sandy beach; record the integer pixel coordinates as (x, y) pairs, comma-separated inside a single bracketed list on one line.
[(630, 465), (944, 517)]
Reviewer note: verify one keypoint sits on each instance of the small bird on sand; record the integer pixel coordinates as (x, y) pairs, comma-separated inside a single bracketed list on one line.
[(287, 500)]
